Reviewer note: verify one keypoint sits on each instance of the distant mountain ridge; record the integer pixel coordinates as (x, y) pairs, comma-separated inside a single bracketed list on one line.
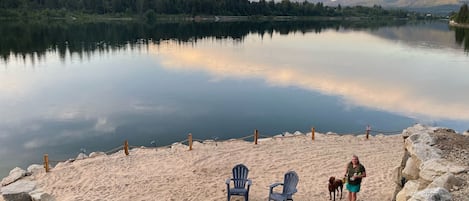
[(392, 3), (439, 7)]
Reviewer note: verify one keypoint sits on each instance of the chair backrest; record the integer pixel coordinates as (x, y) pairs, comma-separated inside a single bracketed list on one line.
[(289, 182), (240, 175)]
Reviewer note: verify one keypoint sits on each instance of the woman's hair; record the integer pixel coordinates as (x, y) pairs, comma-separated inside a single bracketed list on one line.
[(355, 156)]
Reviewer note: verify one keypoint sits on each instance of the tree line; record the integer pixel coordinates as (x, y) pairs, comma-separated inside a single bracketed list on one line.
[(15, 8), (25, 38), (463, 15)]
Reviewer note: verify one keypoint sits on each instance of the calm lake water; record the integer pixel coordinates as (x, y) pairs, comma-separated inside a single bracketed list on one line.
[(66, 88)]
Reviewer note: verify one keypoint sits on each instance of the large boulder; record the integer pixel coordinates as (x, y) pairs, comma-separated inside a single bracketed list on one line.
[(15, 174), (409, 189), (18, 191), (417, 128), (447, 181), (411, 169), (35, 169), (432, 194), (419, 146), (39, 195), (397, 175), (434, 168)]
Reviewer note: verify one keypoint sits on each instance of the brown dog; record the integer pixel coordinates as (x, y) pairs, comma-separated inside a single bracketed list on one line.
[(335, 185)]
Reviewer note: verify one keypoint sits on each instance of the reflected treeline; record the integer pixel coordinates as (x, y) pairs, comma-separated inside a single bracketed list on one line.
[(462, 37), (33, 39)]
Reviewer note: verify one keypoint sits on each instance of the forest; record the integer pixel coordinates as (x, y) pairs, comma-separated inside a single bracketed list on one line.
[(153, 8), (462, 16)]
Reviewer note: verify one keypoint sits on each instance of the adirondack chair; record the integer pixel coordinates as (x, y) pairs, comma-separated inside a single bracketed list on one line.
[(240, 179), (289, 187)]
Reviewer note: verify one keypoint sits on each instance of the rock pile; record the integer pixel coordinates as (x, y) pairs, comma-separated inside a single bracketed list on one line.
[(435, 165), (18, 187)]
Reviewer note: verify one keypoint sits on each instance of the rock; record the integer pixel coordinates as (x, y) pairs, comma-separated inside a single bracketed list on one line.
[(15, 174), (287, 134), (417, 128), (447, 181), (411, 170), (420, 148), (432, 194), (397, 175), (409, 189), (96, 154), (466, 133), (36, 169), (18, 191), (331, 133), (433, 168), (39, 195), (81, 156), (297, 133), (444, 130)]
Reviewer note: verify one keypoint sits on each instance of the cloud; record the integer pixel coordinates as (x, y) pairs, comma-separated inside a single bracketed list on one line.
[(361, 78), (34, 143), (102, 125)]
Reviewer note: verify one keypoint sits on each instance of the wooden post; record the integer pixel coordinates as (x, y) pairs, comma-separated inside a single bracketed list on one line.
[(312, 133), (368, 128), (189, 137), (126, 147), (256, 136), (46, 162)]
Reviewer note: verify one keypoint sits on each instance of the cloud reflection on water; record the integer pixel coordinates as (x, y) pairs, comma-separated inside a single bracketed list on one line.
[(421, 82)]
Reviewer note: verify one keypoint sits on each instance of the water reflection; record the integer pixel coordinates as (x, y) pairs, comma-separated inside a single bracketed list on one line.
[(64, 87), (412, 81), (462, 37), (33, 40)]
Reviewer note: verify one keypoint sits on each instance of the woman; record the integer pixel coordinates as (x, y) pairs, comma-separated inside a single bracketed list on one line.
[(354, 172)]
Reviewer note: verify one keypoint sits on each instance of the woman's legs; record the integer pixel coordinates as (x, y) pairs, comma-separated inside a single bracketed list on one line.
[(353, 190), (353, 197)]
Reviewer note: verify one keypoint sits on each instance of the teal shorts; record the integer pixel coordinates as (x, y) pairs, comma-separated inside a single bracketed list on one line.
[(354, 188)]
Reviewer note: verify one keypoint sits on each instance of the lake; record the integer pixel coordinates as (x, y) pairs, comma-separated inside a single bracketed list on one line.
[(67, 88)]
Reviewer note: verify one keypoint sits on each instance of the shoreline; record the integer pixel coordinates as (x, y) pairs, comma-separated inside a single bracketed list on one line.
[(176, 174), (455, 24)]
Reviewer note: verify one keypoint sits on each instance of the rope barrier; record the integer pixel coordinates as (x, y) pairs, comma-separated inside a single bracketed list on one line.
[(198, 140), (246, 137), (181, 142), (47, 161), (114, 150), (378, 131)]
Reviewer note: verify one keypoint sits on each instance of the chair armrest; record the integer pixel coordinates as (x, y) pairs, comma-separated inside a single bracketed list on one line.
[(249, 182), (275, 185), (227, 181), (272, 186)]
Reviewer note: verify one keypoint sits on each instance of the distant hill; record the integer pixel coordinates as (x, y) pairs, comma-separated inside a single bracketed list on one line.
[(392, 3), (441, 7)]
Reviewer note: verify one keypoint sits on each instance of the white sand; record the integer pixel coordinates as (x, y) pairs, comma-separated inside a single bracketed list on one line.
[(178, 174)]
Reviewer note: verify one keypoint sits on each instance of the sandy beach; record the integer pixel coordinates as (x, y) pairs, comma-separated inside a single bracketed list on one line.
[(178, 174)]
